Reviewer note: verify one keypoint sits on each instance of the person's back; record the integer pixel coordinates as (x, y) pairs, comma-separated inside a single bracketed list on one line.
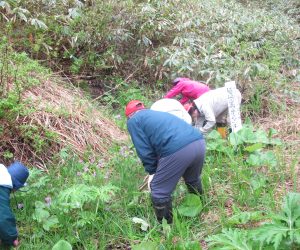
[(167, 132), (173, 107), (189, 89), (213, 105), (216, 99), (169, 149)]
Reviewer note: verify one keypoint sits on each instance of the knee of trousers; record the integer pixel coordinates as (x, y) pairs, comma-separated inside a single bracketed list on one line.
[(157, 200), (159, 193), (193, 183)]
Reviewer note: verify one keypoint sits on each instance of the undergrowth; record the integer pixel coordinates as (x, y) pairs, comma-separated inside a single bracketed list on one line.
[(154, 41), (19, 73), (95, 204)]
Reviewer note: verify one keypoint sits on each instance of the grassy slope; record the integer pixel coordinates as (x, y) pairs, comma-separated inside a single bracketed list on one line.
[(232, 185)]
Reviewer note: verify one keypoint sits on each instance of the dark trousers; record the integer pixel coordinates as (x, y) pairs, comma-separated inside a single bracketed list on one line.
[(186, 162)]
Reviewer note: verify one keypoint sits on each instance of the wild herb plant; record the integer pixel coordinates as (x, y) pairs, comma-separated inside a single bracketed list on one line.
[(162, 40), (85, 196), (282, 233), (91, 204)]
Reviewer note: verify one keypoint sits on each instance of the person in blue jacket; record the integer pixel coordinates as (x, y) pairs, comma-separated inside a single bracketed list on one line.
[(169, 149), (11, 179)]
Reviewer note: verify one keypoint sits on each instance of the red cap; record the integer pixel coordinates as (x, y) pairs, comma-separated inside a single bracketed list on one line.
[(133, 106), (188, 106)]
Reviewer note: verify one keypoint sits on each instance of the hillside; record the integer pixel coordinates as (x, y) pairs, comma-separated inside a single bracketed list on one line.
[(67, 70), (50, 116)]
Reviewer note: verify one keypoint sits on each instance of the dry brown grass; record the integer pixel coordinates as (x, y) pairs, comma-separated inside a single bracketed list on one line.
[(287, 124), (77, 123)]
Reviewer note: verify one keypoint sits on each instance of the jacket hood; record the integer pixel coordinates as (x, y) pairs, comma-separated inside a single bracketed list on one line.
[(5, 178), (184, 79)]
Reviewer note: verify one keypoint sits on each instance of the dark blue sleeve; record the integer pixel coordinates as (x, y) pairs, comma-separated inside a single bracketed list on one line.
[(8, 229), (142, 146)]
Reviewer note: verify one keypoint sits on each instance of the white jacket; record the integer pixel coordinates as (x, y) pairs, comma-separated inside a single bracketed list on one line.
[(173, 107), (213, 106), (5, 178)]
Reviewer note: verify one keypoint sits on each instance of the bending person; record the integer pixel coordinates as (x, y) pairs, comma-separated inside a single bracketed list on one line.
[(189, 89), (212, 107), (170, 149), (173, 107)]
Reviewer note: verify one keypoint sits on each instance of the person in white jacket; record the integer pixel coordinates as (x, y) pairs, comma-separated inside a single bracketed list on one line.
[(173, 107), (213, 108)]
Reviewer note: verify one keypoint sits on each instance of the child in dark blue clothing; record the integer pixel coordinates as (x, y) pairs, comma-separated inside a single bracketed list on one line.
[(11, 179)]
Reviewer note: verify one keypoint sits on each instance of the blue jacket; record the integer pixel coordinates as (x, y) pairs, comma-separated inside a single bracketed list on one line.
[(158, 134), (8, 229)]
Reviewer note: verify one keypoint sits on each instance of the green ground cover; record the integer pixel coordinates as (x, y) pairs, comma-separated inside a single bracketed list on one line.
[(134, 50)]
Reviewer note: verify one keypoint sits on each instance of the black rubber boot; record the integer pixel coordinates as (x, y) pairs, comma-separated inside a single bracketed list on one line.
[(163, 210), (195, 188)]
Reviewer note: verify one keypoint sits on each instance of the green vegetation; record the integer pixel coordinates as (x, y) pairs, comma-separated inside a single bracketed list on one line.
[(83, 188), (151, 40), (96, 205)]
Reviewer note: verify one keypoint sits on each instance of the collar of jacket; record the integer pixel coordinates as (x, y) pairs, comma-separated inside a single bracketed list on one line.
[(5, 178), (132, 114)]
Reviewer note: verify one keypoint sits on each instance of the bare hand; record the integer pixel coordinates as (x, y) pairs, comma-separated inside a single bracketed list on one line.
[(16, 243)]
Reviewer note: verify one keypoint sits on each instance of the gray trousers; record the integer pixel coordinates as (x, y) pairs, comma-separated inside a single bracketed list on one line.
[(186, 162)]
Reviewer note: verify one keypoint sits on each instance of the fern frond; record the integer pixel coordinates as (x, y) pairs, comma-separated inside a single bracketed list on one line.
[(231, 239), (285, 225), (77, 195), (291, 209), (271, 234)]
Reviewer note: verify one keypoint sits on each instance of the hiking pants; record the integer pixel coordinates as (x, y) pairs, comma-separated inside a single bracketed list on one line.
[(186, 162)]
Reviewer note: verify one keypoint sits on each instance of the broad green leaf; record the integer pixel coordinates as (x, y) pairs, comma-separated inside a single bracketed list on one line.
[(272, 132), (39, 204), (214, 135), (254, 160), (261, 137), (41, 214), (50, 222), (245, 217), (62, 245), (189, 245), (217, 145), (149, 245), (275, 141), (235, 139), (191, 206), (258, 182), (254, 147), (262, 158)]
